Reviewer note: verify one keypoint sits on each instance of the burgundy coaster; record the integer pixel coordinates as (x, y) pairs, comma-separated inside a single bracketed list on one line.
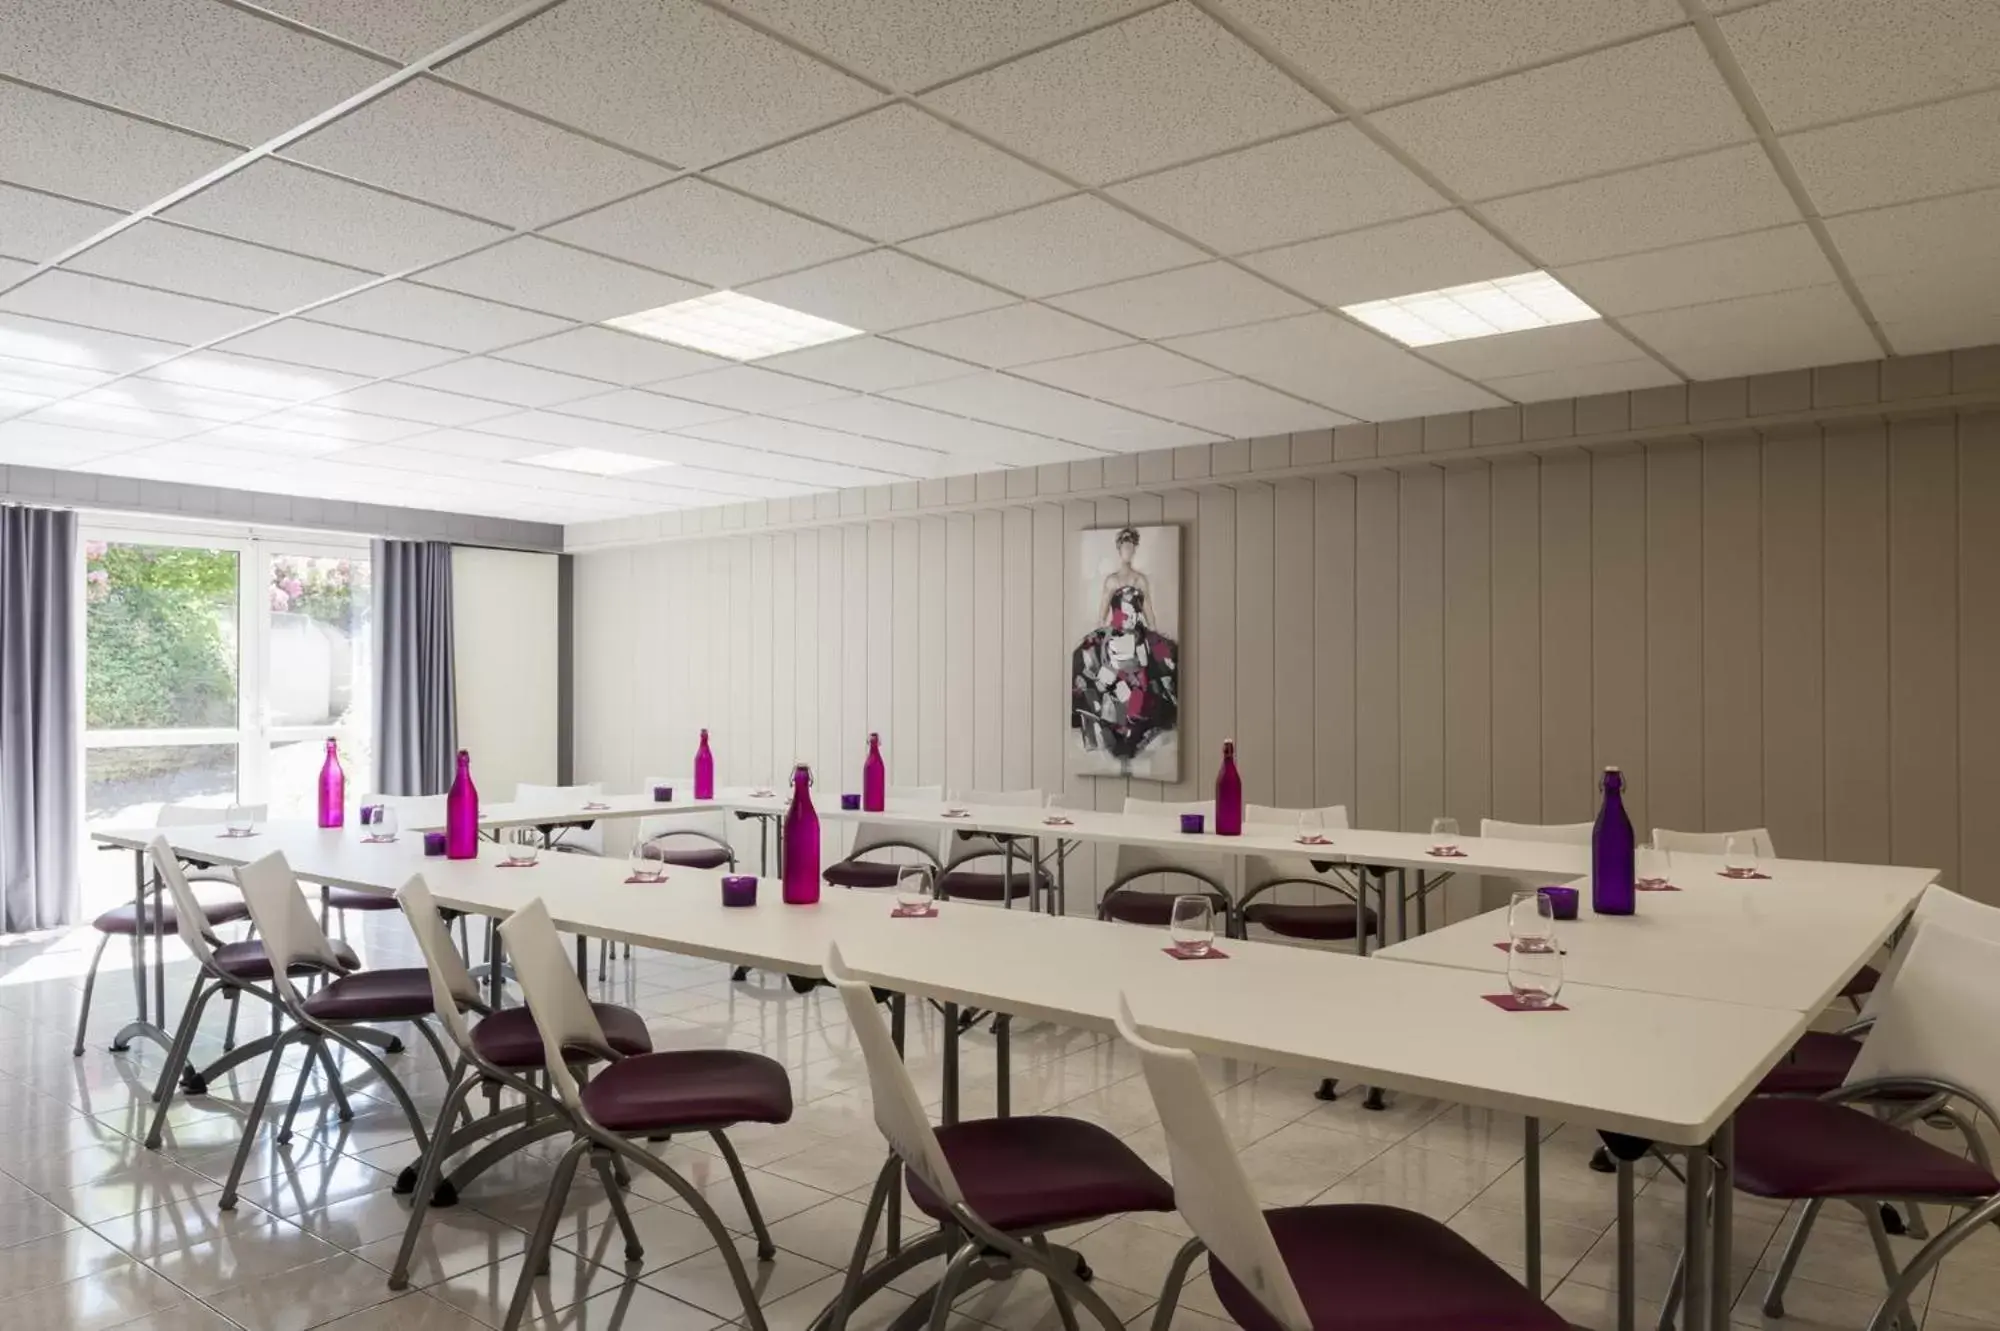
[(1213, 954), (1509, 947), (377, 840), (648, 882), (1741, 877), (1314, 840), (508, 864), (1509, 1003), (1453, 854), (927, 913), (1654, 887)]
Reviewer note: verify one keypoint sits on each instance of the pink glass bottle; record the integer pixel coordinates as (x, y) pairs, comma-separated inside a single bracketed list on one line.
[(874, 777), (1228, 794), (461, 813), (332, 788), (801, 842), (704, 770)]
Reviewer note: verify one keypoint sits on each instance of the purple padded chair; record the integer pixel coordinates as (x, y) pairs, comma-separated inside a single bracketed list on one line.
[(982, 867), (1002, 1182), (861, 868), (1348, 918), (642, 1096), (1124, 900)]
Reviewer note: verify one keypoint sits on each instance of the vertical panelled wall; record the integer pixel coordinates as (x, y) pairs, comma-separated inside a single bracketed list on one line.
[(1800, 630)]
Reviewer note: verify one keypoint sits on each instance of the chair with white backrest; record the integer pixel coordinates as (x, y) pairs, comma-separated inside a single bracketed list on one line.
[(1318, 922), (504, 1048), (970, 869), (1354, 1266), (644, 1096), (332, 1014), (881, 851), (126, 921), (1932, 1042), (691, 840), (575, 838), (335, 902), (1123, 900), (1003, 1183)]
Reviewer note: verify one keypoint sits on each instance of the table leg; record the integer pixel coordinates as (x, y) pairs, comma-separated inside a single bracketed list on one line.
[(1003, 1059), (1423, 902), (1722, 1223), (144, 994), (1531, 1198), (583, 962), (496, 970), (1007, 873), (1695, 1297), (1627, 1253), (151, 1001), (1402, 905), (1062, 876), (950, 1114)]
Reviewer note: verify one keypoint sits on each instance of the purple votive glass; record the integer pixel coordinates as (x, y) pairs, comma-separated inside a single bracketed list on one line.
[(850, 802), (663, 794), (739, 889), (1192, 823), (1562, 902), (433, 844)]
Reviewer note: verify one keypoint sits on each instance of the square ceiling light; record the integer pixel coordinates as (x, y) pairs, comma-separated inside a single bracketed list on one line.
[(1477, 309), (728, 323), (592, 461)]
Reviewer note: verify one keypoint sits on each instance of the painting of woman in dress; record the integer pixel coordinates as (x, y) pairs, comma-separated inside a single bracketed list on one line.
[(1125, 670)]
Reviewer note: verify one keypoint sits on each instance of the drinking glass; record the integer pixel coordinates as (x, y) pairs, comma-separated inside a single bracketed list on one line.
[(954, 801), (384, 826), (1193, 925), (1312, 826), (1739, 857), (913, 888), (525, 851), (238, 820), (645, 867), (1444, 835), (1656, 867), (1530, 915), (1534, 971)]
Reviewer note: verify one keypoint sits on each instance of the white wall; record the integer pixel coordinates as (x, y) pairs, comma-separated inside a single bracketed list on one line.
[(504, 608)]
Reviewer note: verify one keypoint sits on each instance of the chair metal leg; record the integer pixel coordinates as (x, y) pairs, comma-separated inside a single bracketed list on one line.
[(312, 1059), (1170, 1292), (177, 1058), (1064, 1308), (947, 1285), (427, 1176), (1673, 1300), (229, 1032), (843, 1307), (256, 1118), (1059, 1275), (1887, 1257), (1774, 1293), (89, 987), (534, 1260), (1926, 1260), (766, 1250), (607, 1174), (753, 1315), (408, 1178)]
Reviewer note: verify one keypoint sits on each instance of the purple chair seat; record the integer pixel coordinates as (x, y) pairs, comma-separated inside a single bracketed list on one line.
[(1818, 1063), (246, 960), (510, 1039), (398, 994), (1863, 983), (353, 898), (696, 855), (1134, 907), (1040, 1171), (689, 1088), (126, 919), (1364, 1267), (979, 885), (862, 873), (1811, 1148), (1325, 922)]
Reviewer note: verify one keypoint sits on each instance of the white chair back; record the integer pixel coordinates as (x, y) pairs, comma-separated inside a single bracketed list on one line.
[(1210, 1189), (1566, 834), (572, 836), (899, 1112), (1264, 868), (971, 844), (870, 836), (189, 918), (1938, 1020), (203, 815), (1148, 859), (453, 990), (285, 922), (1712, 843), (562, 1010), (1942, 909)]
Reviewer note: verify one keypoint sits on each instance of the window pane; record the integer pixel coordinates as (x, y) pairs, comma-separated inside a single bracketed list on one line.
[(292, 776), (160, 627), (318, 670), (126, 787)]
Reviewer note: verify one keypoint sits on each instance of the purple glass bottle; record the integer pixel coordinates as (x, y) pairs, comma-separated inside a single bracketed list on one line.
[(332, 788), (1611, 851), (461, 813), (1228, 794), (801, 842), (704, 770), (874, 777)]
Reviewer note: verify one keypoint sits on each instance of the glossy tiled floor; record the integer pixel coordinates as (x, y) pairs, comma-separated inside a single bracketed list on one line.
[(96, 1232)]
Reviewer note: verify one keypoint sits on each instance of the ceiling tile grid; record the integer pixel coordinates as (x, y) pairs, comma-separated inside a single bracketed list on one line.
[(700, 231)]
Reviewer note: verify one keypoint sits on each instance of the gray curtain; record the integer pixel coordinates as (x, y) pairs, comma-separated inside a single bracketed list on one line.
[(416, 702), (41, 735)]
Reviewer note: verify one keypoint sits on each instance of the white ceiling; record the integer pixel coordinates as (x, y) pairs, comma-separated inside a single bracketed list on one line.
[(355, 250)]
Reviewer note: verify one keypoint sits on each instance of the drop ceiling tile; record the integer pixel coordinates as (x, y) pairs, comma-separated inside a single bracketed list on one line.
[(750, 388), (878, 292), (56, 144), (890, 174), (884, 418), (35, 378), (1904, 155), (464, 152), (1076, 242), (1817, 60), (646, 411), (411, 403), (701, 231), (716, 459), (204, 66), (570, 431), (1786, 330), (868, 364), (1915, 336), (36, 227), (157, 397), (1160, 88), (1695, 198), (1633, 104), (232, 373), (444, 318), (328, 422), (1534, 350), (1933, 295), (1396, 259), (322, 346), (1962, 231), (1186, 300), (1747, 265), (403, 32), (14, 401), (215, 267), (1335, 363), (97, 413), (615, 357), (810, 441), (1238, 409), (272, 447), (120, 307), (504, 381), (279, 204), (542, 275), (1022, 405), (1619, 376), (1311, 184), (1120, 372), (1012, 335), (473, 445), (670, 78), (25, 443), (13, 270)]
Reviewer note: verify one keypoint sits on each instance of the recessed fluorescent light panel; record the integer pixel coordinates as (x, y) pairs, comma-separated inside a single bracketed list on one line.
[(727, 323), (1477, 309), (592, 461)]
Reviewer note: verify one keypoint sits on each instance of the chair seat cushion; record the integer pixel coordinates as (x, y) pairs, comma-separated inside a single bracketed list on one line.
[(510, 1039), (692, 855), (981, 885), (1364, 1266), (1818, 1063), (1863, 983), (1040, 1171), (1323, 922), (689, 1088), (246, 960), (1810, 1148), (352, 898), (126, 919), (397, 994), (862, 873), (1138, 907)]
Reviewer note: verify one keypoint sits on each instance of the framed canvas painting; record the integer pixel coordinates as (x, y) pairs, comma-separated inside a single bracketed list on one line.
[(1125, 677)]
